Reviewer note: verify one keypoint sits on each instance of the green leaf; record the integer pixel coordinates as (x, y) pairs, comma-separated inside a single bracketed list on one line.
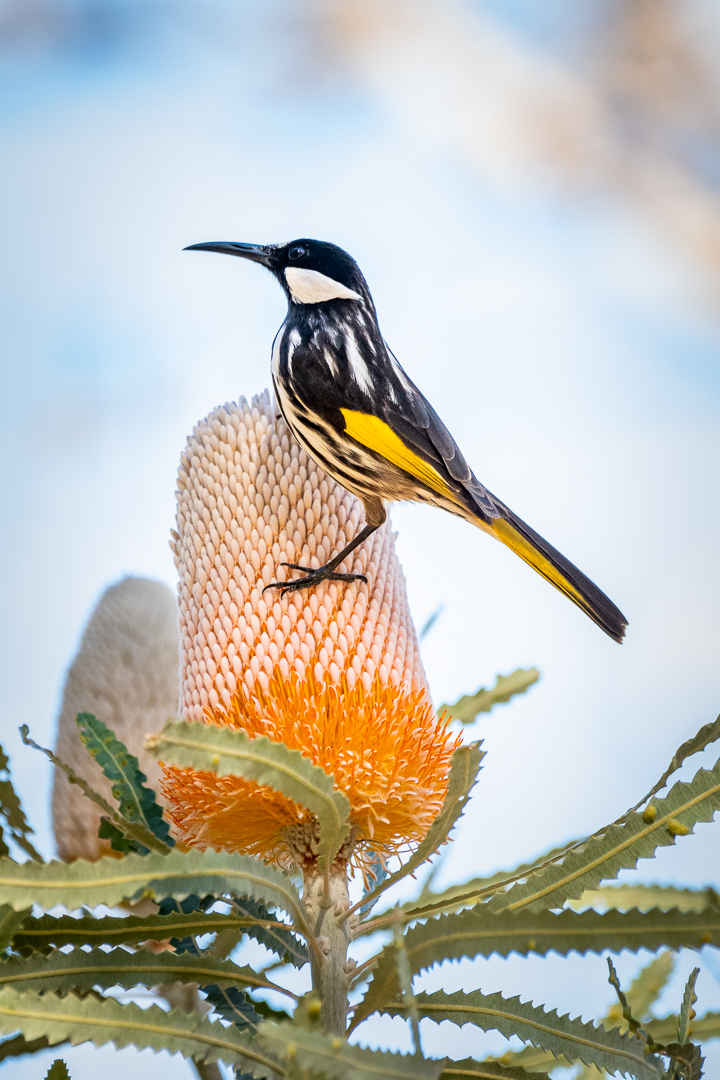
[(464, 768), (233, 1005), (334, 1057), (603, 855), (479, 932), (129, 785), (645, 897), (619, 847), (58, 1071), (48, 930), (643, 992), (455, 896), (480, 888), (18, 1046), (559, 1035), (686, 1061), (179, 874), (707, 734), (11, 922), (105, 1020), (81, 971), (12, 811), (467, 709), (118, 840), (645, 989), (134, 830), (206, 747), (266, 929), (689, 999), (487, 1070), (704, 1028)]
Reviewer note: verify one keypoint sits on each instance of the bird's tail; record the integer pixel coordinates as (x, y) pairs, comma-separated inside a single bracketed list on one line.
[(558, 570)]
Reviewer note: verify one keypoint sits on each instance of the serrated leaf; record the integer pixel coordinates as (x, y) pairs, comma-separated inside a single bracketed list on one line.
[(707, 734), (58, 1071), (480, 932), (129, 784), (686, 1061), (105, 1020), (613, 849), (12, 811), (226, 752), (689, 999), (118, 840), (233, 1005), (48, 930), (19, 1046), (79, 970), (641, 995), (466, 709), (704, 1028), (179, 874), (647, 986), (134, 830), (266, 929), (559, 1035), (464, 768), (456, 896), (334, 1057), (645, 897), (11, 922), (487, 1070)]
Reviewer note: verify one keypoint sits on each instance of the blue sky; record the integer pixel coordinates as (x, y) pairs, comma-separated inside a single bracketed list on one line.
[(569, 347)]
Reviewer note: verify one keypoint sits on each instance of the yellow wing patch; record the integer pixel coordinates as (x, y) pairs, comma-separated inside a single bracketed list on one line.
[(374, 433)]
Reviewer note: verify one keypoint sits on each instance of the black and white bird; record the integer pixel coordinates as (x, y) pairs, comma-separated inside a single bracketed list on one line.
[(349, 403)]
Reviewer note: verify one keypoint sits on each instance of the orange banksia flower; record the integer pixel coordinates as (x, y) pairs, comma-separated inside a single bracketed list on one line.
[(334, 672)]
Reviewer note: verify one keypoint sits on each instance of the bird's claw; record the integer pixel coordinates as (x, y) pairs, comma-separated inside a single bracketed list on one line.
[(314, 577)]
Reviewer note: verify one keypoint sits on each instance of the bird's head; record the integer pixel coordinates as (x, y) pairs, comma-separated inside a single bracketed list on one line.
[(310, 271)]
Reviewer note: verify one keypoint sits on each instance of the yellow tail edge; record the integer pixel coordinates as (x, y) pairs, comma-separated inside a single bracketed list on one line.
[(561, 573)]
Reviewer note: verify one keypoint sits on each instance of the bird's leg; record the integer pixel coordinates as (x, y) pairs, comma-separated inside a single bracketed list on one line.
[(326, 572)]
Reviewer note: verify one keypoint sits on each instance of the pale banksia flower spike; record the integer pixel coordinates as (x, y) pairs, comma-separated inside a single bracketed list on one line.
[(334, 672), (126, 672)]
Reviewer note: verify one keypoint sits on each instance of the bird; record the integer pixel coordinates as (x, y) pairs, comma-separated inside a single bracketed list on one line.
[(356, 412)]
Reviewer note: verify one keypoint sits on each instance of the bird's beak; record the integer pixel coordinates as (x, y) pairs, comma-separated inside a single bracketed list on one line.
[(254, 252)]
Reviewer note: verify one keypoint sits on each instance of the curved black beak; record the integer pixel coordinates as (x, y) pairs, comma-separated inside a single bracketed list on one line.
[(254, 252)]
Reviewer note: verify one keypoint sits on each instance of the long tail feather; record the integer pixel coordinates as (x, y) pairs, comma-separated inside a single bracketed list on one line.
[(559, 571)]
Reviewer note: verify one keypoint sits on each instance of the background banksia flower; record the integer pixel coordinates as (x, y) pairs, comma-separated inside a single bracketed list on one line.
[(126, 672), (334, 672)]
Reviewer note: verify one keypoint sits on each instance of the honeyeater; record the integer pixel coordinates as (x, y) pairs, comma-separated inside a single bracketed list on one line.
[(352, 407)]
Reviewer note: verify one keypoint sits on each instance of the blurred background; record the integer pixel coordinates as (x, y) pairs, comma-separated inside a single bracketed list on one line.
[(533, 192)]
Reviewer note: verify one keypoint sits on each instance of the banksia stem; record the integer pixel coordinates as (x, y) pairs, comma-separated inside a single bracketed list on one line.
[(126, 672)]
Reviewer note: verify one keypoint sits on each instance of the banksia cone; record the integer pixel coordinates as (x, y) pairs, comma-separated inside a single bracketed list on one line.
[(126, 672), (334, 671)]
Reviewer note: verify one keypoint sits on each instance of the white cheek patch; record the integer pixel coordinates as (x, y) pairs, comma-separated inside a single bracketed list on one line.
[(312, 287)]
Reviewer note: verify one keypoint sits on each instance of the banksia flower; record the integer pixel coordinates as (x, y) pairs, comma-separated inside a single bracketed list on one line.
[(126, 672), (334, 672)]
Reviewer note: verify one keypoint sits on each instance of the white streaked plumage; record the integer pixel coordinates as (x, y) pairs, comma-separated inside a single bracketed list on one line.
[(359, 368), (312, 287)]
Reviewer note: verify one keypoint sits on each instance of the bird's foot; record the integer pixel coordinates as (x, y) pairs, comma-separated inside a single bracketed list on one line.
[(312, 578)]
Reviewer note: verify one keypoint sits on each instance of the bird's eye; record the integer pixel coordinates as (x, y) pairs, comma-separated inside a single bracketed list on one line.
[(297, 252)]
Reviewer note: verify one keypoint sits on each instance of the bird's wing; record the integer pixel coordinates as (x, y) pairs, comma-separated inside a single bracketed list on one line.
[(409, 433), (404, 428)]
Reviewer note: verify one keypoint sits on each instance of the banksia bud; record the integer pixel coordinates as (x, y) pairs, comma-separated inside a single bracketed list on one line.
[(334, 671), (126, 672)]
